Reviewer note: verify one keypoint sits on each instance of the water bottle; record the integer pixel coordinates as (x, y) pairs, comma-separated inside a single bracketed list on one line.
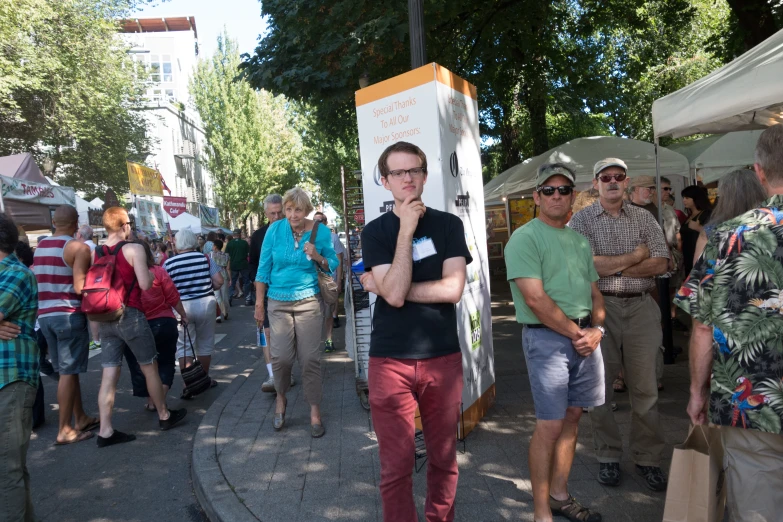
[(260, 337)]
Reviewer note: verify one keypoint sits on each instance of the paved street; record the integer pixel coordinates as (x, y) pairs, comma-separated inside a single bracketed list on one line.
[(246, 471), (148, 479)]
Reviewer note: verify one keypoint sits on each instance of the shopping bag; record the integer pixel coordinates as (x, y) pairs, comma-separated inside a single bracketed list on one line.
[(696, 491)]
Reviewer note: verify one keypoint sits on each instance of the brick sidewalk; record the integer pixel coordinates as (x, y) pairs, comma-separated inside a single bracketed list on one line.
[(244, 470)]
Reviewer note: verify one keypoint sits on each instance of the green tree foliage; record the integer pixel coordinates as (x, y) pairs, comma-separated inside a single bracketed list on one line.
[(68, 89), (546, 72), (254, 139)]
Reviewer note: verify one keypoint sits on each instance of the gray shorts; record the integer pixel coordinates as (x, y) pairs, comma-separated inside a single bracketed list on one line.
[(560, 377), (133, 330), (69, 342)]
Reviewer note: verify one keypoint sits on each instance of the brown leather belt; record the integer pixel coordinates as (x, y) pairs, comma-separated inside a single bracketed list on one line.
[(582, 322), (624, 295)]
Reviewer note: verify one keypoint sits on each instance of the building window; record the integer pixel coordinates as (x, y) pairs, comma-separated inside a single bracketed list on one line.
[(168, 76), (154, 68)]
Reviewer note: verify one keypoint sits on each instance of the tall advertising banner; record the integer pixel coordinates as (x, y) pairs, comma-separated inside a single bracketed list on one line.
[(438, 111)]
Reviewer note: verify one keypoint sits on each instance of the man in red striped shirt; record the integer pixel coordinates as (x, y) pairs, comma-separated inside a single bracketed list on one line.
[(60, 267)]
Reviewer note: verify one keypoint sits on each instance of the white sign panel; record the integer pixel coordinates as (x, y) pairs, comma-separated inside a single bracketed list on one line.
[(149, 217), (437, 111)]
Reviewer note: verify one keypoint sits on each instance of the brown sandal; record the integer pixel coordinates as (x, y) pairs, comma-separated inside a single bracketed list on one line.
[(619, 385), (573, 510)]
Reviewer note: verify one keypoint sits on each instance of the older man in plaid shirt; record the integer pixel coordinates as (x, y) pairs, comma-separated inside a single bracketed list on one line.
[(18, 376)]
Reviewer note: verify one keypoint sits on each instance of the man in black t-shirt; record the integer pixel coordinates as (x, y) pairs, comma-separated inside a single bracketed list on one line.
[(415, 257)]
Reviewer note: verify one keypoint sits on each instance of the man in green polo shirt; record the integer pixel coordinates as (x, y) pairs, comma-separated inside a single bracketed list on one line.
[(238, 251), (553, 283)]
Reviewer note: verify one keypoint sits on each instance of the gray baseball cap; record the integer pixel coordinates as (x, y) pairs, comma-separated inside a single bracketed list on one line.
[(547, 170), (609, 162)]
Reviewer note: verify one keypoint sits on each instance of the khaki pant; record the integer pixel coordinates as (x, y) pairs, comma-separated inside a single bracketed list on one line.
[(16, 420), (753, 461), (295, 329), (635, 325)]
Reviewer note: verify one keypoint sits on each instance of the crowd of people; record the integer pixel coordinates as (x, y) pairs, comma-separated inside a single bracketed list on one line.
[(584, 286), (154, 304)]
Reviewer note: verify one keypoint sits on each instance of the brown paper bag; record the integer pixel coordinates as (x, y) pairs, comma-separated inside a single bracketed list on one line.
[(696, 491)]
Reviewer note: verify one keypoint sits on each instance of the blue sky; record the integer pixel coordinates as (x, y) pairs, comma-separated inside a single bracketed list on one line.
[(242, 18)]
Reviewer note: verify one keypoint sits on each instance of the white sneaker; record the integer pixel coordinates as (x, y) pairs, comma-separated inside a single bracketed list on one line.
[(269, 385), (219, 319)]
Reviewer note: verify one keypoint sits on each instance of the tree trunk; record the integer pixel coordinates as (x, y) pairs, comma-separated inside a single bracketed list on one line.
[(511, 153), (755, 20), (534, 96)]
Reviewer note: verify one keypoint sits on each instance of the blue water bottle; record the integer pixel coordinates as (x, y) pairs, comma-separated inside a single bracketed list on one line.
[(260, 337)]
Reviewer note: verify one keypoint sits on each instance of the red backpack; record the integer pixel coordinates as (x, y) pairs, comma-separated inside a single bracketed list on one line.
[(104, 296)]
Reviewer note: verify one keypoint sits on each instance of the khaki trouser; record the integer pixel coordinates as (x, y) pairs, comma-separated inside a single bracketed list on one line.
[(295, 330), (753, 461), (16, 422), (635, 325)]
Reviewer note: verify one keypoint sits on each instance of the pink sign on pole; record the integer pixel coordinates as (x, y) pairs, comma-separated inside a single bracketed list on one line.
[(174, 206)]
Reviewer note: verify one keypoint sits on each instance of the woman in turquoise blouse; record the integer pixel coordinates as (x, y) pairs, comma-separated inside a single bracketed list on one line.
[(287, 276)]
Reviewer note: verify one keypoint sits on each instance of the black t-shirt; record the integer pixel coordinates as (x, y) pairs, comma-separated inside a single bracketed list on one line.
[(415, 330), (256, 240)]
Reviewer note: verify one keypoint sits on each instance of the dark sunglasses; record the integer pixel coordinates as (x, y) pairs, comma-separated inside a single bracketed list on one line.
[(607, 178), (563, 190), (667, 189)]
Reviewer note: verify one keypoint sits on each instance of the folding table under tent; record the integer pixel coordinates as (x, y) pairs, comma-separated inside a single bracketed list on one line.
[(581, 154), (27, 196)]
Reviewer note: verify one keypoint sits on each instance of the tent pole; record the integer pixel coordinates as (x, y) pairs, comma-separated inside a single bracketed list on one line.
[(663, 282), (508, 217)]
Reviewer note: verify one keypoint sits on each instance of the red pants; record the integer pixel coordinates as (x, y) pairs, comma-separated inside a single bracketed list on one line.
[(396, 386)]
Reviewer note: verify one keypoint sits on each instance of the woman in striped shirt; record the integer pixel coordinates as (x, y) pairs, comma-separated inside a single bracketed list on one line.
[(196, 278)]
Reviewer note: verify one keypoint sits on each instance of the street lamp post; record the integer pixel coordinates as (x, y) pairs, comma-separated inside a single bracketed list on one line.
[(418, 41)]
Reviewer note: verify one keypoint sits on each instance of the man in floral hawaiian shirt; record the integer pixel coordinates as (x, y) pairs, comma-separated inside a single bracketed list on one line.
[(735, 296)]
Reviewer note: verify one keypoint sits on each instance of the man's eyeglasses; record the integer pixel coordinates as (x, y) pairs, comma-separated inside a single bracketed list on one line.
[(666, 189), (414, 172), (607, 178), (563, 190)]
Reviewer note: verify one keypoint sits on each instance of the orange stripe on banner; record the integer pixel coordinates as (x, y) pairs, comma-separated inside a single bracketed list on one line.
[(403, 82), (447, 77)]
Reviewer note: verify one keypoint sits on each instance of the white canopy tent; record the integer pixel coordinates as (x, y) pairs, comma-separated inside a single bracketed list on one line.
[(742, 95), (581, 154), (185, 220), (713, 157), (82, 207)]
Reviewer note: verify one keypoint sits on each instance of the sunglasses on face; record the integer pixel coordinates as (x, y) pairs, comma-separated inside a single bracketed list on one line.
[(563, 190), (607, 178), (666, 189)]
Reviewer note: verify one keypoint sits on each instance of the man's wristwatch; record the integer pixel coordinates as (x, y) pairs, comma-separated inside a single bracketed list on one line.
[(601, 329), (618, 274)]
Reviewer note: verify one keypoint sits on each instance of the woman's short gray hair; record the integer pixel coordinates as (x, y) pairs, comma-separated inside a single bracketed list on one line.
[(298, 198), (185, 239)]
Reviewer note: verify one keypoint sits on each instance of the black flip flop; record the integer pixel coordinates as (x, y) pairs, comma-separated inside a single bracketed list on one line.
[(117, 437), (92, 426)]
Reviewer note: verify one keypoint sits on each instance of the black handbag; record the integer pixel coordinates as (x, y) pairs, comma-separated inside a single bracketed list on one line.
[(326, 282), (196, 379)]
